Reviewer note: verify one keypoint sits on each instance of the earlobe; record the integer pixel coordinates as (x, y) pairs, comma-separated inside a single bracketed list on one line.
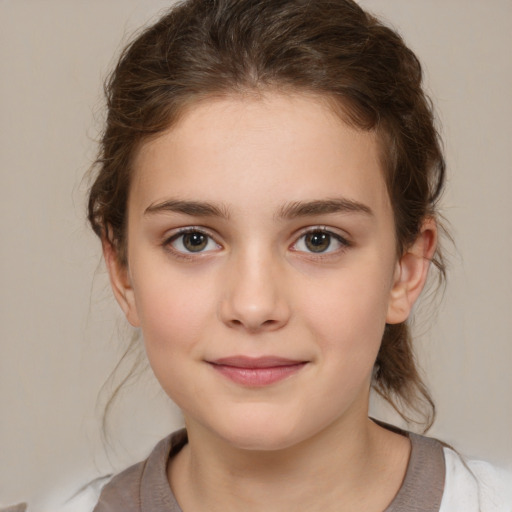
[(411, 273), (120, 282)]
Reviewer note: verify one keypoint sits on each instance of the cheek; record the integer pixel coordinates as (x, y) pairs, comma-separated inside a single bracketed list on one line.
[(348, 315), (175, 314), (174, 311)]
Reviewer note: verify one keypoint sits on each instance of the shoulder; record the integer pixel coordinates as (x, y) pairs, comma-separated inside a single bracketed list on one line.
[(101, 494), (122, 492), (472, 485), (128, 489)]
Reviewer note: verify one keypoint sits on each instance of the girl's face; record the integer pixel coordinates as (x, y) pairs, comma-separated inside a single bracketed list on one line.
[(262, 267)]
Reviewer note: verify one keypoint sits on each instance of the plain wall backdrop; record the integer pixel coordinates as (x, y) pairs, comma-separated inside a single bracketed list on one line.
[(59, 324)]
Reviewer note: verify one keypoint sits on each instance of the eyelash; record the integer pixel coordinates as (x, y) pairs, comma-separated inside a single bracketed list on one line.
[(168, 242), (343, 242)]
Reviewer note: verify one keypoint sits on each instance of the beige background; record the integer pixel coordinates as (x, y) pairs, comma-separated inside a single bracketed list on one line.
[(58, 322)]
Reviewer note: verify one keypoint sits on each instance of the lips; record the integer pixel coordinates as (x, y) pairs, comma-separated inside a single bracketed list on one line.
[(257, 372)]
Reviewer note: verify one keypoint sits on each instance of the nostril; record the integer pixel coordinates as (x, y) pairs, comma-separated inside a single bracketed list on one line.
[(254, 327)]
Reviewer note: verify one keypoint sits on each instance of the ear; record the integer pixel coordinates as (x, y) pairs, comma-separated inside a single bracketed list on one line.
[(120, 282), (411, 273)]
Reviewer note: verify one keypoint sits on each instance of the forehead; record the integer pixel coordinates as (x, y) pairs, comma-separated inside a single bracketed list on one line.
[(274, 146)]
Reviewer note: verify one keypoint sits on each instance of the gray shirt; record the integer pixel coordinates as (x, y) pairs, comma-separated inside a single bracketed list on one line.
[(144, 487)]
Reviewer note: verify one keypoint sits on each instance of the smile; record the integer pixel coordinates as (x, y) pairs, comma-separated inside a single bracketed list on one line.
[(257, 372)]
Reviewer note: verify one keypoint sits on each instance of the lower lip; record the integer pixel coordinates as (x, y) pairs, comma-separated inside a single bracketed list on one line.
[(258, 377)]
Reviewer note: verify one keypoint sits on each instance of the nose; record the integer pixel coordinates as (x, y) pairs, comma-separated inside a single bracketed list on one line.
[(255, 294)]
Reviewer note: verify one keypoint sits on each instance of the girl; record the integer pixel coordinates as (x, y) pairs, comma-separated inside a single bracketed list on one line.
[(266, 202)]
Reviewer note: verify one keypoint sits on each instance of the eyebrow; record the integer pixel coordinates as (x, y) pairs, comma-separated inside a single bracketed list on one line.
[(195, 208), (321, 207), (289, 211)]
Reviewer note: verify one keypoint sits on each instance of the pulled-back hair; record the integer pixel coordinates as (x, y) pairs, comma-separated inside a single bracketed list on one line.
[(329, 48)]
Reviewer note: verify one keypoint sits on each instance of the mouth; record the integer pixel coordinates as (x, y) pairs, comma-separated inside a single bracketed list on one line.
[(257, 372)]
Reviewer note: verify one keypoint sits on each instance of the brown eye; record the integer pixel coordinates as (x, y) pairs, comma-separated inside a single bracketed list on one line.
[(320, 241), (193, 242), (317, 241)]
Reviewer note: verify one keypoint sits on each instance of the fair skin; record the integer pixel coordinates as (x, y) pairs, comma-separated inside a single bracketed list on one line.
[(288, 261)]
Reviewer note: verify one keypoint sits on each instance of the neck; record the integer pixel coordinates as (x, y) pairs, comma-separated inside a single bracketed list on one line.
[(334, 467)]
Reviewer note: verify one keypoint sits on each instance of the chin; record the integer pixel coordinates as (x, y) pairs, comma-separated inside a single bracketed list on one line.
[(263, 433), (265, 441)]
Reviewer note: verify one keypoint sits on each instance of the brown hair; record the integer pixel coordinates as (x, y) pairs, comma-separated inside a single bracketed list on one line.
[(331, 48)]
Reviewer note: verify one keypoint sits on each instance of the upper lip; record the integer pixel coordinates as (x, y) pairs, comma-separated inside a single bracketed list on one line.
[(256, 362)]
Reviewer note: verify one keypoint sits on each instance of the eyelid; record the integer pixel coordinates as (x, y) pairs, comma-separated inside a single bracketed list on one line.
[(343, 240), (177, 233), (333, 232)]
